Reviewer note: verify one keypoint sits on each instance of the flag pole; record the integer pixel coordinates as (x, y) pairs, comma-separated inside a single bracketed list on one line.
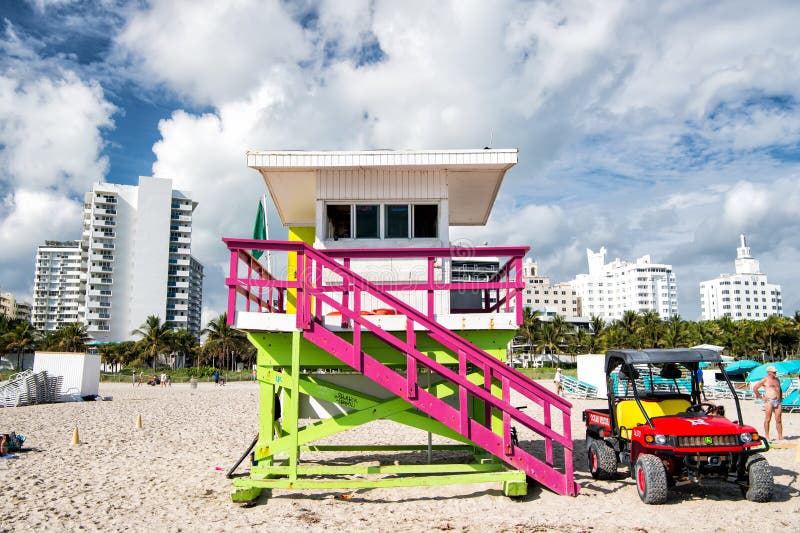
[(266, 231)]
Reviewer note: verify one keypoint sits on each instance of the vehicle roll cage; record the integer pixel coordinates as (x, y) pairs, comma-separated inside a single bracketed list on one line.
[(690, 358)]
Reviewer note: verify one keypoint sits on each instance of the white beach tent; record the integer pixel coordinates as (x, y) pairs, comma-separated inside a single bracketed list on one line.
[(81, 372)]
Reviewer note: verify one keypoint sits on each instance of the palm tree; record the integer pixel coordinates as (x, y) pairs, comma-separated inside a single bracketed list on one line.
[(22, 337), (629, 326), (771, 328), (796, 326), (184, 342), (675, 332), (73, 337), (650, 327), (530, 325), (550, 337), (598, 327), (223, 340), (155, 337)]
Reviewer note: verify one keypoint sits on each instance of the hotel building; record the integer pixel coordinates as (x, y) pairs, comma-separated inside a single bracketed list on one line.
[(133, 260), (743, 295), (610, 289), (137, 246), (559, 299), (12, 308), (58, 285)]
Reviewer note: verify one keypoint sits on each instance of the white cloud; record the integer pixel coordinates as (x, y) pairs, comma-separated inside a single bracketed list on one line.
[(51, 127), (50, 133), (212, 51), (647, 128), (599, 97)]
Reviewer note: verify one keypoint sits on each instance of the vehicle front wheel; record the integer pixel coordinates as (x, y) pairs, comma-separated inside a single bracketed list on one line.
[(759, 475), (651, 479), (602, 460)]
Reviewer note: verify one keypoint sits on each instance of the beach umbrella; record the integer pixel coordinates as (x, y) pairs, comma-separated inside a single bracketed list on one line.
[(741, 367), (784, 368)]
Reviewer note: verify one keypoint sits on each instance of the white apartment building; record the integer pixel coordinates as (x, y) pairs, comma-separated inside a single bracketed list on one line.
[(559, 299), (137, 252), (608, 290), (58, 286), (195, 297), (743, 295), (12, 308)]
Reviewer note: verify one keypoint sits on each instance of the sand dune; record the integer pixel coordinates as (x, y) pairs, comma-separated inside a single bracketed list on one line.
[(170, 476)]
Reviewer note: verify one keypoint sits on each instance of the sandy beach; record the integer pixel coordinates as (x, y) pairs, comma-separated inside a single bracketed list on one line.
[(170, 476)]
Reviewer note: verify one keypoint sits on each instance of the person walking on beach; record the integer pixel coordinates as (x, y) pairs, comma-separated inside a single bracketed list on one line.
[(133, 378), (559, 384), (141, 378), (216, 377), (163, 380), (773, 397)]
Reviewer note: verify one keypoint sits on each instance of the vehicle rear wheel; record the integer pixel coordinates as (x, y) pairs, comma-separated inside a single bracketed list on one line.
[(602, 460), (651, 479), (759, 475)]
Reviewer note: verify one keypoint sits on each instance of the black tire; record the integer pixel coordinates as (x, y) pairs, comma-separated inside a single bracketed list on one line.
[(760, 480), (651, 479), (602, 460)]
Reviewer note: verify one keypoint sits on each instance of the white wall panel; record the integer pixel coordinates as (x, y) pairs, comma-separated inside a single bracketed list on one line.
[(381, 184)]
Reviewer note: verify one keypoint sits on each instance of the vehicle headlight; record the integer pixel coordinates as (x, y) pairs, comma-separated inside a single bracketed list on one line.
[(661, 440), (746, 438)]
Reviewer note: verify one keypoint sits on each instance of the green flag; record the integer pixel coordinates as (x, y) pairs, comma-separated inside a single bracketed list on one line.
[(260, 228)]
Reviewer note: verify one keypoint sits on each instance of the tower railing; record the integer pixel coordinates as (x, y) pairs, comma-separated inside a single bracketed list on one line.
[(322, 281)]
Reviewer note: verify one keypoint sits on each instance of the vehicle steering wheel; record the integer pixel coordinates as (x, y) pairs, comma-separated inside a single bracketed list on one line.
[(705, 408)]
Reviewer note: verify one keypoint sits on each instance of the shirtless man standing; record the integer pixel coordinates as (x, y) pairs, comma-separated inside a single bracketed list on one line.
[(773, 396)]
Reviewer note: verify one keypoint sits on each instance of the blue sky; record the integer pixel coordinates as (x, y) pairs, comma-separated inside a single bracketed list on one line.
[(661, 128)]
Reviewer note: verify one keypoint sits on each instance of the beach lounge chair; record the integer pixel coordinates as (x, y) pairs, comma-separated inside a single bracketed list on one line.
[(791, 403), (574, 388)]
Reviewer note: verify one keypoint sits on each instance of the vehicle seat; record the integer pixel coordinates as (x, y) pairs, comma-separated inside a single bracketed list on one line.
[(629, 415)]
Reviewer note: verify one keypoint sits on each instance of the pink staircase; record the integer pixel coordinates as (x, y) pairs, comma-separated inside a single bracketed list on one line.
[(312, 294)]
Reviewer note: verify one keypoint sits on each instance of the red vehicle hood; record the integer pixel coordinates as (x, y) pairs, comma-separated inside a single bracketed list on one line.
[(697, 425)]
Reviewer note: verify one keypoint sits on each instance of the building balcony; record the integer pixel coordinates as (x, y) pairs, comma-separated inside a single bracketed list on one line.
[(104, 223), (181, 240), (99, 292)]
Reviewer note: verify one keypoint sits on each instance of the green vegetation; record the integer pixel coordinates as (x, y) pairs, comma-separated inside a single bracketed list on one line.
[(225, 347), (157, 343), (776, 337)]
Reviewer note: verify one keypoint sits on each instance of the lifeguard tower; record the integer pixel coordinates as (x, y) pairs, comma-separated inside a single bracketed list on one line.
[(368, 294)]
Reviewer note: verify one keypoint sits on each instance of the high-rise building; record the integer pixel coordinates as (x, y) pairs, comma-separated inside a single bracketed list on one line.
[(608, 290), (559, 299), (12, 308), (137, 246), (58, 286), (133, 260), (194, 323), (743, 295)]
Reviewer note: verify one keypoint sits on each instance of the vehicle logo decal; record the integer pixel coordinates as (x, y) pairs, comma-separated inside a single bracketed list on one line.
[(709, 440), (698, 422)]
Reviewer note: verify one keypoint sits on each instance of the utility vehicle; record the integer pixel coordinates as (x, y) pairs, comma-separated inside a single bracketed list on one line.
[(660, 425)]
